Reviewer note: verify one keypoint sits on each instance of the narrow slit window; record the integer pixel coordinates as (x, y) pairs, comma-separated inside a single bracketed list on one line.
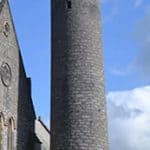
[(10, 134), (69, 4)]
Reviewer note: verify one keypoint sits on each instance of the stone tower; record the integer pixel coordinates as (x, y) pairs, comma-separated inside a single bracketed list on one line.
[(78, 120)]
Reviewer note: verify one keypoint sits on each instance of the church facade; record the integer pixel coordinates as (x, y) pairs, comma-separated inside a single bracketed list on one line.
[(17, 115)]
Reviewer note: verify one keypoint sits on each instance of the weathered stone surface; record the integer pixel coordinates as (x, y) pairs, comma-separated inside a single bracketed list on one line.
[(8, 90), (15, 94), (79, 119), (43, 134)]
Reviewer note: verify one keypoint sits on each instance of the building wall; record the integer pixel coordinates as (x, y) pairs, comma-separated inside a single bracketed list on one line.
[(8, 94), (79, 119), (43, 135), (26, 114), (15, 99)]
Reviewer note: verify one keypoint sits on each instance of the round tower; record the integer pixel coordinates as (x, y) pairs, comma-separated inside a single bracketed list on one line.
[(78, 114)]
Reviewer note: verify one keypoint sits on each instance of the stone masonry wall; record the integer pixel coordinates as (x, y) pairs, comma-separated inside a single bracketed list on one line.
[(8, 93), (79, 119), (15, 87)]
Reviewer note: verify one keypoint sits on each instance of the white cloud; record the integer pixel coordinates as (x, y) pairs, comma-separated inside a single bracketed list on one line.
[(123, 71), (112, 12), (141, 35), (129, 119), (137, 3)]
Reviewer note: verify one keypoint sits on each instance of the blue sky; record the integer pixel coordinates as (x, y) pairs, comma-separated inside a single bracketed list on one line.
[(126, 44), (121, 41), (32, 23)]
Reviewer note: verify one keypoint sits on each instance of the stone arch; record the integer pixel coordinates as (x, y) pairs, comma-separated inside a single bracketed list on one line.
[(10, 137), (2, 120)]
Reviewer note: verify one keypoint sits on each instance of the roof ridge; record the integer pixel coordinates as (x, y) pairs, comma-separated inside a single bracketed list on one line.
[(43, 124)]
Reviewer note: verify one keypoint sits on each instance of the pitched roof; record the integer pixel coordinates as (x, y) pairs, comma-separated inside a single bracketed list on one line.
[(43, 124)]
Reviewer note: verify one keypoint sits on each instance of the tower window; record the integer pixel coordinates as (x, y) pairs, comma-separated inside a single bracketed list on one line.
[(69, 4)]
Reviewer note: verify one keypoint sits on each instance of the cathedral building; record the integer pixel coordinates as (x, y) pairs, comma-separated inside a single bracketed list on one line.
[(17, 115)]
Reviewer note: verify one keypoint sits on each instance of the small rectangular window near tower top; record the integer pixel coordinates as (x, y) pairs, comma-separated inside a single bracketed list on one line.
[(69, 4)]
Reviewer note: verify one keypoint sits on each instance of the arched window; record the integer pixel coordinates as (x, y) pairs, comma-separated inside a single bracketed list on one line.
[(11, 134), (1, 129)]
